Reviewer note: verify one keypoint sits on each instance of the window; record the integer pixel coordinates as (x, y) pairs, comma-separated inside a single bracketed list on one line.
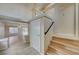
[(13, 30), (25, 31)]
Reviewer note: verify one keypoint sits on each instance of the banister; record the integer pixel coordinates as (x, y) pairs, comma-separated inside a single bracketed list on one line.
[(49, 28)]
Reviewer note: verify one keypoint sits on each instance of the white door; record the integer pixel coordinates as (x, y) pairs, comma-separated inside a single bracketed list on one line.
[(35, 34)]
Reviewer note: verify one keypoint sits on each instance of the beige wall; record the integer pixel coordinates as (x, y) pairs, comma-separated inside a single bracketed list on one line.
[(64, 20), (2, 30), (48, 36), (64, 25)]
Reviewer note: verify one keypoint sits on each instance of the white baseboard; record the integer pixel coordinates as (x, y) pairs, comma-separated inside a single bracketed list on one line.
[(38, 51), (68, 36)]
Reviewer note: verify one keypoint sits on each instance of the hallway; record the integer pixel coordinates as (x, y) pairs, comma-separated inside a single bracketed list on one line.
[(19, 48), (28, 29)]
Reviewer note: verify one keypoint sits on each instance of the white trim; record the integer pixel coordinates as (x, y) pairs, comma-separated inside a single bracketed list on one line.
[(76, 19), (39, 52), (68, 36)]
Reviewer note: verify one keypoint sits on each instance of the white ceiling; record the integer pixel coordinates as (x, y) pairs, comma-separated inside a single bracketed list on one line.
[(22, 11)]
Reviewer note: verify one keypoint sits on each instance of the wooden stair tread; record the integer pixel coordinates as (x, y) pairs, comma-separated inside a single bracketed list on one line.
[(76, 42), (63, 46), (66, 42), (51, 51), (61, 49), (67, 47)]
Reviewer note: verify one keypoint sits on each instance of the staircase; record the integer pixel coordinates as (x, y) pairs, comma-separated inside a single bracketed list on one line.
[(63, 46)]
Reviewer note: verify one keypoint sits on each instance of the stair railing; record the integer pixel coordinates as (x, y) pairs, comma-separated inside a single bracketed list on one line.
[(43, 15), (49, 28)]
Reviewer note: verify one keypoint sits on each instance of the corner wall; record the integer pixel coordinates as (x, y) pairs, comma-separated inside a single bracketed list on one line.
[(2, 30), (37, 35), (65, 23)]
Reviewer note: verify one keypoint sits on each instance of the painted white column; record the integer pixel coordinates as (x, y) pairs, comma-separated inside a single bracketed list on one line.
[(6, 30), (37, 35), (20, 34), (77, 18)]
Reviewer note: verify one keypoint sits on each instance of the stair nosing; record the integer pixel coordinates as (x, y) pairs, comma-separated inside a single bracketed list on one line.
[(56, 49), (67, 47), (66, 44), (62, 49)]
